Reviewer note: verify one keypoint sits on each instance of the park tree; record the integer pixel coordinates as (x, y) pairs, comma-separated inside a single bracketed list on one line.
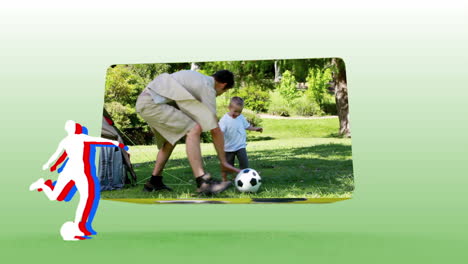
[(341, 95)]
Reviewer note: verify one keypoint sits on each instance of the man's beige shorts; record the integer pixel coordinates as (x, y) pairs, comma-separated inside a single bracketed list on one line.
[(166, 121)]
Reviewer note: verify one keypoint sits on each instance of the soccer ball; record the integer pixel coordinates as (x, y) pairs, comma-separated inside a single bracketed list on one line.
[(248, 180)]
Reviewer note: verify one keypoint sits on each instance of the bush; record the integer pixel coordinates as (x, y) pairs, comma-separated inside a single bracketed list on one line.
[(222, 103), (204, 138), (252, 117), (278, 105), (133, 127), (254, 97), (318, 80), (121, 115), (329, 105), (287, 87), (303, 106)]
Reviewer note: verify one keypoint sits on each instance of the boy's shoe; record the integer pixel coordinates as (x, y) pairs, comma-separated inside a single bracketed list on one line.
[(208, 185), (148, 187)]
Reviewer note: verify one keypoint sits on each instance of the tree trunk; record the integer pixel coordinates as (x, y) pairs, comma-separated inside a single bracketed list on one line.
[(194, 67), (341, 96), (277, 72)]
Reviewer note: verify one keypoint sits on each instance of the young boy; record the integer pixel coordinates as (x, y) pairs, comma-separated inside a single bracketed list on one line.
[(233, 124)]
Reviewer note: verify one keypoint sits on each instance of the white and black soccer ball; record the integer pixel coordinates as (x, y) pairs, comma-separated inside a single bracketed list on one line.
[(248, 180)]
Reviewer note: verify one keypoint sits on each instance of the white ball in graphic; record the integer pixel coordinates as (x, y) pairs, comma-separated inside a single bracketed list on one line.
[(70, 230)]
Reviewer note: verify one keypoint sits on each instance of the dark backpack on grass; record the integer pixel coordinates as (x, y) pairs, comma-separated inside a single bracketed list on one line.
[(115, 169)]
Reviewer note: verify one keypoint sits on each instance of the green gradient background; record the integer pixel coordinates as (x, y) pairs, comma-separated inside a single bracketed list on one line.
[(407, 77)]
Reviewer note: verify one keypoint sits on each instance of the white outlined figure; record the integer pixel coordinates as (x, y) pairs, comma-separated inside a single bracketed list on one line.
[(79, 172)]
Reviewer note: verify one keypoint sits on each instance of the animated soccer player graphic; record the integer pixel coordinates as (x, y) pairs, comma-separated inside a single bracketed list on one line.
[(77, 173)]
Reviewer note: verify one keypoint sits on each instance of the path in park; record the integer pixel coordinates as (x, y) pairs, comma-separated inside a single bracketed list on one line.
[(295, 117)]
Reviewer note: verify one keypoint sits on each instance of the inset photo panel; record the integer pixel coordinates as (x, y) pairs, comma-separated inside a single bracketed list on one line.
[(251, 131)]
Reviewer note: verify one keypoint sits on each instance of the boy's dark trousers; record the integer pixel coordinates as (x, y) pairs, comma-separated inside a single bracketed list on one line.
[(241, 155)]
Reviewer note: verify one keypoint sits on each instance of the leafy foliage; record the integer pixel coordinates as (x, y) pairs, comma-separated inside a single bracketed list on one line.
[(252, 118), (318, 82), (254, 97), (120, 114), (300, 67), (287, 87), (123, 85), (303, 106), (150, 71), (278, 105), (260, 73)]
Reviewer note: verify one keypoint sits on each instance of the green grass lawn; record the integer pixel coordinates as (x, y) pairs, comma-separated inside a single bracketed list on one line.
[(295, 158)]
